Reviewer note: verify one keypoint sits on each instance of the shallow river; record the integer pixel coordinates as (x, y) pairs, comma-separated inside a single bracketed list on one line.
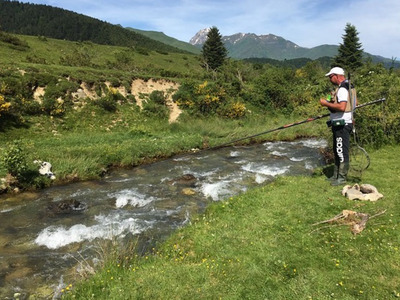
[(48, 238)]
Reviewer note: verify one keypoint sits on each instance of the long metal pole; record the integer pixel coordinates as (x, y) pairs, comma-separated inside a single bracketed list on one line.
[(291, 125)]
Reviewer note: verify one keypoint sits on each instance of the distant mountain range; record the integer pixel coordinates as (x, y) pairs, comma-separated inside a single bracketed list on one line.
[(250, 45), (260, 48)]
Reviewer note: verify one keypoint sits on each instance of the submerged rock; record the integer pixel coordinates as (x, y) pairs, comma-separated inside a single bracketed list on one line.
[(186, 180), (65, 207)]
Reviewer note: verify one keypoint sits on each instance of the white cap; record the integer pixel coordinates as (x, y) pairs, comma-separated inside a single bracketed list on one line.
[(335, 70)]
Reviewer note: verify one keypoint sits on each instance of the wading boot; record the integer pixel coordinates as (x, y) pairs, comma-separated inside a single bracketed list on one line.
[(335, 174), (342, 175)]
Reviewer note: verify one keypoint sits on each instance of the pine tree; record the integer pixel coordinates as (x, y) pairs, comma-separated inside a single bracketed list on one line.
[(349, 53), (214, 51)]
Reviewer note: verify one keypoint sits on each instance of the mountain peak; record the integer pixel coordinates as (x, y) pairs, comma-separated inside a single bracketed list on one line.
[(200, 37), (249, 45)]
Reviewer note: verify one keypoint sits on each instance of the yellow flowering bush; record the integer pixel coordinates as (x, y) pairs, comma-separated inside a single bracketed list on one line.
[(4, 105), (207, 99), (235, 110)]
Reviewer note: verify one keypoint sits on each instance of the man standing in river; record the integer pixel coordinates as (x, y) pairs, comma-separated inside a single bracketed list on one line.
[(341, 121)]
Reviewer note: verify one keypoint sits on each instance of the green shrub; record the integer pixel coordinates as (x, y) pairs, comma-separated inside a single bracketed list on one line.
[(155, 105), (110, 101), (184, 97), (15, 159), (204, 99), (169, 73), (107, 103), (158, 97), (29, 106), (53, 106), (14, 41), (123, 60), (35, 59), (275, 88), (378, 124), (80, 57), (142, 51)]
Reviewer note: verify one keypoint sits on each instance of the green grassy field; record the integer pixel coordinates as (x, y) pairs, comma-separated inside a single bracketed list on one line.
[(263, 245)]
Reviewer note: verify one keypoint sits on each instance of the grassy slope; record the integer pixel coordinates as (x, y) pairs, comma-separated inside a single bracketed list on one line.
[(51, 50), (262, 245), (160, 36)]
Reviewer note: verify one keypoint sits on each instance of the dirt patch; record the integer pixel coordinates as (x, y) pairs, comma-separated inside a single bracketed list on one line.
[(38, 94), (87, 91), (140, 87), (175, 111)]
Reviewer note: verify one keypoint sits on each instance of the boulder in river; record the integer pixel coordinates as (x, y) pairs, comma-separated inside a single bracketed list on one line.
[(65, 207), (186, 180)]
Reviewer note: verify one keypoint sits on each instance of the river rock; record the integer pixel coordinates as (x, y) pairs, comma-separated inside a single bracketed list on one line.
[(18, 273), (186, 179), (65, 207), (364, 192), (188, 191)]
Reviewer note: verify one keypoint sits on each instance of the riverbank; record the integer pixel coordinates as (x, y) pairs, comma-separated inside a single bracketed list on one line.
[(262, 244), (87, 144)]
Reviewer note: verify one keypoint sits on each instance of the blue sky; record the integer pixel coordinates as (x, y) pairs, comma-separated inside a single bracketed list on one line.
[(308, 23)]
